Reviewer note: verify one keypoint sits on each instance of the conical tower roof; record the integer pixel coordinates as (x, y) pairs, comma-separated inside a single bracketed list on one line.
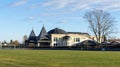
[(32, 35), (42, 34)]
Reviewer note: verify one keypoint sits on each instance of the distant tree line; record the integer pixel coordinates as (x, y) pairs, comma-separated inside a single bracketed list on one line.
[(11, 43)]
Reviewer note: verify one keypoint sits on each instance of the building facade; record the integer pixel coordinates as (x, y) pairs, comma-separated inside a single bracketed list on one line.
[(55, 38)]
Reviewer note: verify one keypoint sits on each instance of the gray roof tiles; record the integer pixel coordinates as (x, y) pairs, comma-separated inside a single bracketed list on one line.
[(42, 34), (32, 35), (57, 31)]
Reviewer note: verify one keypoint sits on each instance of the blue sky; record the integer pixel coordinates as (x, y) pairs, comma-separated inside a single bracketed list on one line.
[(18, 17)]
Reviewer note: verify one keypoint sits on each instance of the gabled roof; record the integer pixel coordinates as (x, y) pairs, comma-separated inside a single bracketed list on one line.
[(42, 34)]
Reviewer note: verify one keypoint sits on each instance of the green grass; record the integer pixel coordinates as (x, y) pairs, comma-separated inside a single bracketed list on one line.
[(58, 58)]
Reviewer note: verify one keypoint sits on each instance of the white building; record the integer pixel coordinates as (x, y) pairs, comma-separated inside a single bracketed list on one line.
[(56, 38)]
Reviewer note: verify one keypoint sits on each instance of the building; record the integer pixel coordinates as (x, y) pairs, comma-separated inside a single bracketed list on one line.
[(25, 38), (55, 38)]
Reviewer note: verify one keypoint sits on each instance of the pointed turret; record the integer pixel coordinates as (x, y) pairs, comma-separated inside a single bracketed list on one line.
[(32, 35), (42, 34)]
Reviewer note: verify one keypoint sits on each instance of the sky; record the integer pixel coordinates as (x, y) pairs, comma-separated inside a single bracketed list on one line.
[(19, 17)]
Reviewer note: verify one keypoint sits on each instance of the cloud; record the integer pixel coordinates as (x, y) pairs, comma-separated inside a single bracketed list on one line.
[(63, 21), (54, 3), (66, 7), (80, 4), (19, 3), (111, 5), (30, 18)]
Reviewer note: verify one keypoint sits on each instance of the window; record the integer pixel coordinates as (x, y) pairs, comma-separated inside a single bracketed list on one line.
[(74, 39), (55, 39), (59, 39), (77, 39), (55, 44), (64, 43), (59, 44)]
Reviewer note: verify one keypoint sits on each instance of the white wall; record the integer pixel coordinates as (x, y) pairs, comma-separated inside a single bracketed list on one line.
[(72, 39)]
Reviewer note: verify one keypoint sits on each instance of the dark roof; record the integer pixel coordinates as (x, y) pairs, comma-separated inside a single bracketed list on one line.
[(57, 31), (32, 33), (42, 34), (32, 36), (114, 43), (89, 42), (77, 33), (66, 37), (61, 31)]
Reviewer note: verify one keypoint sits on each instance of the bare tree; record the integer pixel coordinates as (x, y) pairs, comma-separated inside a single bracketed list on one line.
[(101, 23)]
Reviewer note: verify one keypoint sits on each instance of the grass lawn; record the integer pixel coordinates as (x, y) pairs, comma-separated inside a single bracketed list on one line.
[(58, 58)]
